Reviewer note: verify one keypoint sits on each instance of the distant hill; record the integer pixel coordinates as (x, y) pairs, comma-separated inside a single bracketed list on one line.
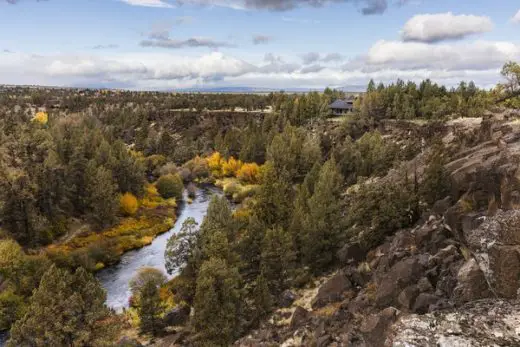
[(232, 89)]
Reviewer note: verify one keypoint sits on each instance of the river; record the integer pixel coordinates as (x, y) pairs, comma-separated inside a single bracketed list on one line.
[(115, 278)]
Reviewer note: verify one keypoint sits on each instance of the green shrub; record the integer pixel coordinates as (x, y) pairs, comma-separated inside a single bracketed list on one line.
[(192, 190), (12, 308), (379, 209), (231, 188), (170, 186)]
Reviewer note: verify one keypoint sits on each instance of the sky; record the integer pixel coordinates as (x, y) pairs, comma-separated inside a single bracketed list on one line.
[(275, 44)]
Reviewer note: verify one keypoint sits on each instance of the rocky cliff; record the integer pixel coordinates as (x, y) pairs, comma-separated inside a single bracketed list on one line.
[(452, 280)]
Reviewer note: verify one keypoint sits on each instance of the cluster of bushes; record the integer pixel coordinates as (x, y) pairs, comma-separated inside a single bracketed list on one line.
[(93, 251), (20, 274), (427, 100), (370, 155)]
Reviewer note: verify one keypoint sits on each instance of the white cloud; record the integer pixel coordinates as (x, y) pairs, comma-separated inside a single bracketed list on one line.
[(366, 7), (516, 18), (193, 42), (148, 3), (478, 55), (384, 61), (444, 26)]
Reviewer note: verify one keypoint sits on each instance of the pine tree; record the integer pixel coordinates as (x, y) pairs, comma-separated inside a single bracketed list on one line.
[(128, 172), (263, 301), (277, 258), (218, 217), (436, 183), (21, 217), (323, 224), (150, 309), (101, 196), (217, 303), (273, 205), (250, 248), (66, 310), (371, 86)]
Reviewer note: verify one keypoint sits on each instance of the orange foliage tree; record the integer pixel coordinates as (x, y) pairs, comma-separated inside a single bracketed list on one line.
[(231, 167), (128, 204), (215, 163), (249, 173), (41, 117)]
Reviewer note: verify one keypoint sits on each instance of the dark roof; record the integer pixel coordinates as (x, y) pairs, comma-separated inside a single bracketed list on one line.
[(341, 104)]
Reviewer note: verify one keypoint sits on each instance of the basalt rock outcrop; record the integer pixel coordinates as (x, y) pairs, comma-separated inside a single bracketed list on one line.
[(452, 280)]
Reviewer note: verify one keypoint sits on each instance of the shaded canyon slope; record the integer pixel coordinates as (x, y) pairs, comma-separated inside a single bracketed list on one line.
[(452, 280)]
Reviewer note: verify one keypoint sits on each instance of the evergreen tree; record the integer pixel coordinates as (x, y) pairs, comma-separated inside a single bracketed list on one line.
[(129, 172), (170, 186), (250, 248), (181, 246), (20, 215), (263, 301), (219, 216), (273, 206), (435, 184), (323, 227), (277, 258), (102, 195), (371, 86), (66, 310), (150, 309), (217, 303)]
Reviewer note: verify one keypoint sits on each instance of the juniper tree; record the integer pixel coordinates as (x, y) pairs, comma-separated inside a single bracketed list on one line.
[(67, 309), (322, 227), (217, 303)]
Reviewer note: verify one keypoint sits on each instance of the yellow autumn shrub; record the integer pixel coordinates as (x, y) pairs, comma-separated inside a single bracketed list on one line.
[(41, 117), (128, 204), (249, 173), (230, 168), (215, 162)]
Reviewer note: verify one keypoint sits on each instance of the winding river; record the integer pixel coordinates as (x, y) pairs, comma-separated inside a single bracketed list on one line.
[(115, 278)]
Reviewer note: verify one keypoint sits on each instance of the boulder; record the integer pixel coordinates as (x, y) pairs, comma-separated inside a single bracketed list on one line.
[(423, 302), (504, 270), (299, 317), (471, 283), (374, 328), (440, 206), (332, 291), (496, 245), (440, 257), (359, 275), (286, 298), (351, 253), (402, 240), (424, 285), (407, 297), (481, 323), (178, 316), (503, 228), (128, 342), (323, 341), (401, 275)]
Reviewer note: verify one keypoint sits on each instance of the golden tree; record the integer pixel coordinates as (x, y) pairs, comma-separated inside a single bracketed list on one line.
[(128, 203)]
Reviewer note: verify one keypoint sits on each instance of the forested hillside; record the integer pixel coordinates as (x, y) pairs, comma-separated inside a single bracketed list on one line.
[(87, 175)]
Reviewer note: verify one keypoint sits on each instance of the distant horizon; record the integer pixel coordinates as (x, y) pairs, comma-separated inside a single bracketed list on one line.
[(229, 89)]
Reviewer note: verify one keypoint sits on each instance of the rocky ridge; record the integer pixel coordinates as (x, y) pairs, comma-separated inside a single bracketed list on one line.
[(452, 280)]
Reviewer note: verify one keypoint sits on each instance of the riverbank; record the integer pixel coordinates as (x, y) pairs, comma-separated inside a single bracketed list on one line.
[(115, 279), (97, 250)]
